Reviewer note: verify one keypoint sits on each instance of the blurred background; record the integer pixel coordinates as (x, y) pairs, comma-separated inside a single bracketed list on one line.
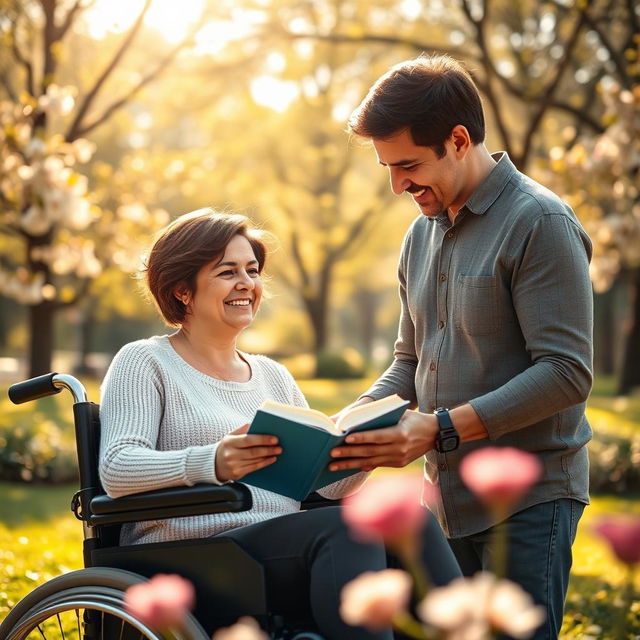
[(118, 115)]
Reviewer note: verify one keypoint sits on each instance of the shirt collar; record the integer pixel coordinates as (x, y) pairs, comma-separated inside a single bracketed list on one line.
[(493, 185)]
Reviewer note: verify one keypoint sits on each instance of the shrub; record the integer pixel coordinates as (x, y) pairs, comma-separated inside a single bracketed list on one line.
[(348, 363), (39, 452), (614, 463)]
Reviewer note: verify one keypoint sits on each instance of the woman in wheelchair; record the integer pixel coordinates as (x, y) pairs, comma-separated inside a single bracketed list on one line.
[(175, 410)]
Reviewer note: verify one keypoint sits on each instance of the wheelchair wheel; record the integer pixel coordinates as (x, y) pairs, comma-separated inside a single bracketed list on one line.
[(85, 605)]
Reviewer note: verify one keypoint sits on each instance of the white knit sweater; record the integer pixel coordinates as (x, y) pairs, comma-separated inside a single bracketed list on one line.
[(161, 422)]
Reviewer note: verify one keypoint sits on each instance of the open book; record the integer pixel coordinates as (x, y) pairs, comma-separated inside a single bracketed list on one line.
[(307, 437)]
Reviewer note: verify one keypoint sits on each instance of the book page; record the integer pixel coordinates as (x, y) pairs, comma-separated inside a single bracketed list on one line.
[(364, 412), (311, 417)]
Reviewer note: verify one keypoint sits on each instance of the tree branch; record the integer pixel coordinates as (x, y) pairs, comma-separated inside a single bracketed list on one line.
[(367, 37), (6, 83), (553, 85), (487, 87), (76, 125), (71, 16), (616, 57), (20, 59), (77, 129)]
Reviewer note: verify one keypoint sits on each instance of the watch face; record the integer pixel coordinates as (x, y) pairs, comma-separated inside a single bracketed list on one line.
[(449, 444)]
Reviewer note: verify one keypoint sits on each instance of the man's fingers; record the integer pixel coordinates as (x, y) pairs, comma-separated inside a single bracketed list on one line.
[(373, 436), (362, 451), (365, 464)]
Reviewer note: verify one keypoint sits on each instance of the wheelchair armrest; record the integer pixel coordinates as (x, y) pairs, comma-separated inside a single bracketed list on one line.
[(169, 503)]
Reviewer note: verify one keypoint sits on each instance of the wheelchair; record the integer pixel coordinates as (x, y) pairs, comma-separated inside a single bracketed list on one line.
[(88, 604)]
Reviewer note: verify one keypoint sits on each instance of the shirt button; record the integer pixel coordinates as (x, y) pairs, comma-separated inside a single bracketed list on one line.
[(441, 324), (443, 277), (450, 234), (432, 366)]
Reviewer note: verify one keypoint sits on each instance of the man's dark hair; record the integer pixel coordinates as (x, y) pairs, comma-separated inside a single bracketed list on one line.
[(429, 96)]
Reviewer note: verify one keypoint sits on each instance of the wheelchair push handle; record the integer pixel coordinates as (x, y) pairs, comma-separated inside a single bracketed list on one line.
[(47, 385)]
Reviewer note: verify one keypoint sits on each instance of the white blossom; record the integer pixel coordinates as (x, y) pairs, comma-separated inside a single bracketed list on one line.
[(473, 608), (57, 100)]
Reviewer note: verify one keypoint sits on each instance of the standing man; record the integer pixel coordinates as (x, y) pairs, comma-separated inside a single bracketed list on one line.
[(495, 333)]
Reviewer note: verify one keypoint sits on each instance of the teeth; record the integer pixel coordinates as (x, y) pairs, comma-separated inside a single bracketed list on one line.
[(417, 194), (239, 303)]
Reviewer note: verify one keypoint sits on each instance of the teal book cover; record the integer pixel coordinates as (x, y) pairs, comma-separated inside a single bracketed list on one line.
[(302, 467)]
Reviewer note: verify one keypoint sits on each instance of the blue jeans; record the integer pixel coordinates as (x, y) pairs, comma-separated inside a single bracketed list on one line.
[(539, 555)]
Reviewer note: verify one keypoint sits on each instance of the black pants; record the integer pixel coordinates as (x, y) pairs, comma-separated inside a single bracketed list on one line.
[(309, 556)]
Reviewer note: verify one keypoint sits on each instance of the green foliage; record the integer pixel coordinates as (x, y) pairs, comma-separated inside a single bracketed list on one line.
[(37, 441), (38, 451), (338, 365)]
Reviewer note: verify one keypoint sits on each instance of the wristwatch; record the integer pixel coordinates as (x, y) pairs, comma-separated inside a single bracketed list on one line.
[(447, 438)]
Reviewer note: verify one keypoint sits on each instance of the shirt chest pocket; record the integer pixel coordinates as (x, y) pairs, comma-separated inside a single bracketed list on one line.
[(475, 305)]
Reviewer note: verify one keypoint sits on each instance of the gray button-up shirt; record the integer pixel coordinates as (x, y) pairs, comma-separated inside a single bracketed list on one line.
[(497, 311)]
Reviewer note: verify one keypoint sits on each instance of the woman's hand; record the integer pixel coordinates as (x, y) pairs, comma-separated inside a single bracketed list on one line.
[(239, 453)]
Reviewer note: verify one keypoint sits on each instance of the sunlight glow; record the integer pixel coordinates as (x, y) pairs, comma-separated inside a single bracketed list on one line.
[(172, 20), (273, 93), (215, 36)]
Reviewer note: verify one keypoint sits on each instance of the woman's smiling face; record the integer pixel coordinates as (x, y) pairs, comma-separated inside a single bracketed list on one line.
[(228, 291)]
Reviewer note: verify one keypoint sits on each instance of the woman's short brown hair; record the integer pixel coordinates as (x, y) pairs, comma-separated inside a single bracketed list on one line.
[(185, 246)]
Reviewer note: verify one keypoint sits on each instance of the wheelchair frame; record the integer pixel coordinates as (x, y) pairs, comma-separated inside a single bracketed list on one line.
[(229, 583)]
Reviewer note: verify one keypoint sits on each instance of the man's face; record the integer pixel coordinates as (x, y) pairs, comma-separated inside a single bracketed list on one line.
[(436, 184)]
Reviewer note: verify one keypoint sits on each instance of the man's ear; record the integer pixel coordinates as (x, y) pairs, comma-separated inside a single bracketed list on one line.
[(461, 140)]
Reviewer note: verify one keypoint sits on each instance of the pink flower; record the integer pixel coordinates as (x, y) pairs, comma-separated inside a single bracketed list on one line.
[(374, 598), (387, 506), (245, 629), (162, 602), (622, 532), (500, 476)]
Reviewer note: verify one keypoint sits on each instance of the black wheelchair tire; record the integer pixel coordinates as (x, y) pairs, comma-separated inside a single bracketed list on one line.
[(94, 589)]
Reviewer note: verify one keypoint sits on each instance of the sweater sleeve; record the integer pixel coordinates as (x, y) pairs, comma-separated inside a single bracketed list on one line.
[(132, 404)]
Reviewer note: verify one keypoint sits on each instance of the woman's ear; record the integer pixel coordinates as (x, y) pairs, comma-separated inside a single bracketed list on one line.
[(182, 294)]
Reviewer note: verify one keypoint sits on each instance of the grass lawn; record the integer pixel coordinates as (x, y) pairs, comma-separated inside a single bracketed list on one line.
[(40, 538)]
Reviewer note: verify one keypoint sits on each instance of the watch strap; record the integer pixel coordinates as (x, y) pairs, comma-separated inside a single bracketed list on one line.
[(444, 418)]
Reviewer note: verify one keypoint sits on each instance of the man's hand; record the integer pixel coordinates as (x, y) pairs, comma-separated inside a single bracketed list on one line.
[(239, 453), (394, 446)]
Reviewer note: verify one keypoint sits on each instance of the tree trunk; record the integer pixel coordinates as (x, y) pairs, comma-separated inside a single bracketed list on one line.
[(366, 305), (630, 376), (86, 330), (317, 312), (41, 325), (604, 337)]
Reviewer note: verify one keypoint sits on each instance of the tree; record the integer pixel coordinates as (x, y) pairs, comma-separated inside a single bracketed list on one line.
[(540, 67), (311, 186), (599, 177), (55, 234)]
